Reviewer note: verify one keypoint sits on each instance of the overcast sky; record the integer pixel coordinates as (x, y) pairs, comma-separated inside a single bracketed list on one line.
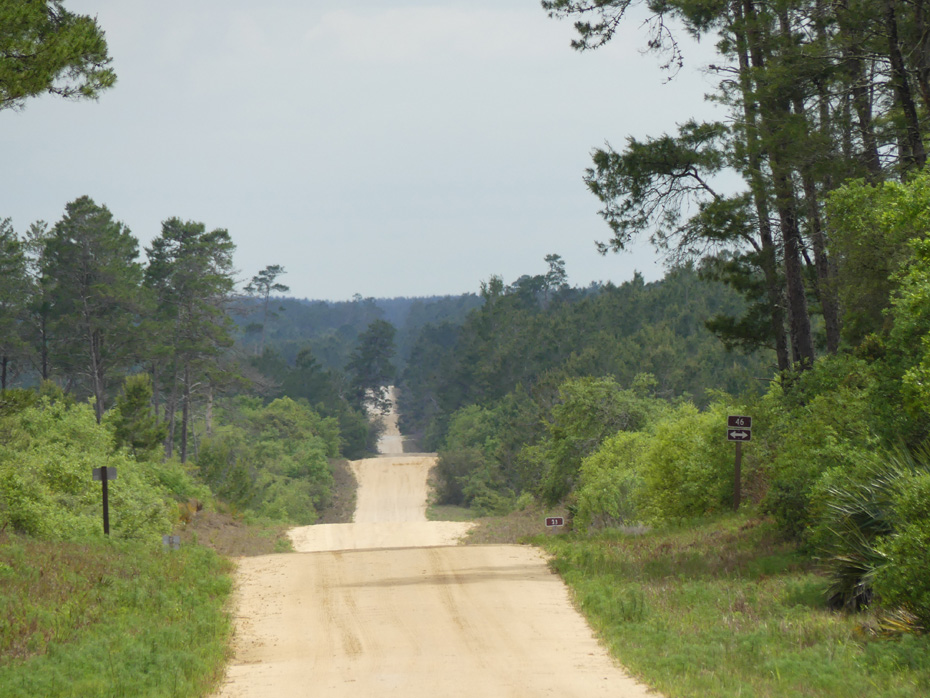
[(390, 148)]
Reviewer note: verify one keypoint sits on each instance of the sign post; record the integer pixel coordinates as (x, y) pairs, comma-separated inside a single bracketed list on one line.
[(739, 429), (105, 474)]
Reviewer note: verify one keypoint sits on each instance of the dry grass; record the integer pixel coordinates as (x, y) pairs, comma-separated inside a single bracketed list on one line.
[(345, 487), (516, 527), (230, 536)]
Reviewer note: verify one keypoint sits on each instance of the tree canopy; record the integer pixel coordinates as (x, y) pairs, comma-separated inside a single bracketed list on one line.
[(44, 48)]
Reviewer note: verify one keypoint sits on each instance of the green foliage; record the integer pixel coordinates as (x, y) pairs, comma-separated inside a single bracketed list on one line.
[(190, 278), (14, 295), (466, 467), (687, 465), (46, 49), (872, 229), (911, 332), (609, 491), (307, 381), (272, 460), (859, 512), (261, 287), (516, 342), (587, 412), (904, 580), (650, 184), (134, 424), (369, 369), (16, 400), (47, 452), (90, 260), (822, 421)]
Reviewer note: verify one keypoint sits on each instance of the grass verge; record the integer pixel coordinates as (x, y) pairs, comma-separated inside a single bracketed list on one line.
[(516, 527), (110, 618), (725, 609)]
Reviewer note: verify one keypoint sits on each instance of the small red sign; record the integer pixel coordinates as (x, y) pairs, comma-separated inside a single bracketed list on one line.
[(555, 521), (739, 421)]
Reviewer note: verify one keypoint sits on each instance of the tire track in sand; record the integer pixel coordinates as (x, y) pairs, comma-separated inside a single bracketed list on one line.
[(388, 606)]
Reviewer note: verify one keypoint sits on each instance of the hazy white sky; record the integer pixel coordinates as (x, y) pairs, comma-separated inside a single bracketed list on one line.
[(405, 147)]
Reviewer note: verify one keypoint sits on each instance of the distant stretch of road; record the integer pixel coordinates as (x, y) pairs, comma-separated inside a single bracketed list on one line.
[(391, 606)]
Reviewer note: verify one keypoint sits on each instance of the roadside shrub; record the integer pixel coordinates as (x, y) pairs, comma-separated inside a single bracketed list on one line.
[(822, 422), (904, 580), (589, 410), (610, 484), (687, 465), (859, 514), (454, 469), (466, 467), (47, 453)]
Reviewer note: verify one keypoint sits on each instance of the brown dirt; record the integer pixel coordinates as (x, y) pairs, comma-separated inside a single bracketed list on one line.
[(386, 606)]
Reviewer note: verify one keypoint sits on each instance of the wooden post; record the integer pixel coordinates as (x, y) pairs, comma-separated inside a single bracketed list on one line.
[(104, 478), (737, 475)]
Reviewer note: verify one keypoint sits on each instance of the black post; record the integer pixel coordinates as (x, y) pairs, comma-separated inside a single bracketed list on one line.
[(737, 474), (106, 499)]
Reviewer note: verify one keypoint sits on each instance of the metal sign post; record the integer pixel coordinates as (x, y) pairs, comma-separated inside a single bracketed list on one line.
[(105, 474), (739, 429)]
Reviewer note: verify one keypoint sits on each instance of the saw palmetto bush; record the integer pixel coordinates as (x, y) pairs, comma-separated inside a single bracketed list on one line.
[(861, 522), (903, 582)]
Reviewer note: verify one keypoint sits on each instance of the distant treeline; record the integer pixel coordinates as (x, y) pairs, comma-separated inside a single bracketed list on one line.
[(330, 329)]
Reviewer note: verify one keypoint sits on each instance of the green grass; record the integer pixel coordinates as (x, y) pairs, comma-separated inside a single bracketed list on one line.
[(725, 609), (108, 618)]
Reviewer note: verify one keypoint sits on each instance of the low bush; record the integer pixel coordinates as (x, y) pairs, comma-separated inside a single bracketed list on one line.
[(903, 582), (610, 484), (47, 454), (687, 465)]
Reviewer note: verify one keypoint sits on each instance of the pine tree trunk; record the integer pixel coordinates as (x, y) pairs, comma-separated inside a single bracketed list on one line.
[(43, 347), (922, 51), (769, 257), (824, 286), (802, 345), (774, 110), (170, 411), (208, 413), (914, 155), (97, 379), (185, 411), (156, 395), (859, 89)]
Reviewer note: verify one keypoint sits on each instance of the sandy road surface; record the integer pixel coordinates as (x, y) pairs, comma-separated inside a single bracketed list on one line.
[(387, 606)]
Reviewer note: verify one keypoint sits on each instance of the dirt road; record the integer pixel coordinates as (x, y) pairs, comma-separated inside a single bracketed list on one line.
[(389, 606)]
